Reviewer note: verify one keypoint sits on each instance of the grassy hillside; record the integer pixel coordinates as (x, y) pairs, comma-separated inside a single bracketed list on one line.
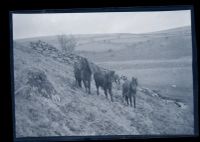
[(47, 102)]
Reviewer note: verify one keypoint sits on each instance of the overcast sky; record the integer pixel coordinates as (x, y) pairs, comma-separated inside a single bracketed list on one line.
[(32, 25)]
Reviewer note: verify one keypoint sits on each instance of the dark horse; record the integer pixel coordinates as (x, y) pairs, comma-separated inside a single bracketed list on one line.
[(129, 90), (77, 73), (82, 72), (104, 79)]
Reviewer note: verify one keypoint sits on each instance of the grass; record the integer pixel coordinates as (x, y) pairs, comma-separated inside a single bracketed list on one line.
[(171, 78), (72, 112)]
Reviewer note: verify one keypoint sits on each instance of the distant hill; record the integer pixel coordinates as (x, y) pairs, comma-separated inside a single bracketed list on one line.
[(168, 44), (177, 31)]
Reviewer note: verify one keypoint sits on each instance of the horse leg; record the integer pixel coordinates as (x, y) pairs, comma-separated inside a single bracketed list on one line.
[(134, 97), (85, 84), (76, 82), (126, 100), (111, 95), (123, 96), (97, 89), (130, 97), (89, 87), (105, 92), (79, 83)]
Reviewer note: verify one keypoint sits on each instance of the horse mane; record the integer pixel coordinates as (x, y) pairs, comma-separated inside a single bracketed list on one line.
[(85, 65)]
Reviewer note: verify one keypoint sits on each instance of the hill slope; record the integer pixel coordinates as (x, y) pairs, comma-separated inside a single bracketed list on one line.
[(163, 45), (47, 103)]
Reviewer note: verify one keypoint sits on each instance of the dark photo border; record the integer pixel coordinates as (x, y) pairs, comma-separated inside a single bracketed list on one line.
[(77, 8)]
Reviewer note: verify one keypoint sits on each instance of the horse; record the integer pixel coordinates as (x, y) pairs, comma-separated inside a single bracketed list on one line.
[(77, 73), (129, 90), (104, 80), (82, 72), (86, 74)]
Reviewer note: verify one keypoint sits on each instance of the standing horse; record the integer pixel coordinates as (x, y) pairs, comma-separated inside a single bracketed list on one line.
[(77, 73), (129, 90), (86, 74), (104, 80), (82, 72)]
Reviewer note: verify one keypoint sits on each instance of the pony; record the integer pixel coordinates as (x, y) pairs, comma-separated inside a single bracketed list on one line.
[(129, 90), (104, 80), (83, 73)]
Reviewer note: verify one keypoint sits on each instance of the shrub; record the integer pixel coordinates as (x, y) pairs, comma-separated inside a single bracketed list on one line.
[(67, 43)]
